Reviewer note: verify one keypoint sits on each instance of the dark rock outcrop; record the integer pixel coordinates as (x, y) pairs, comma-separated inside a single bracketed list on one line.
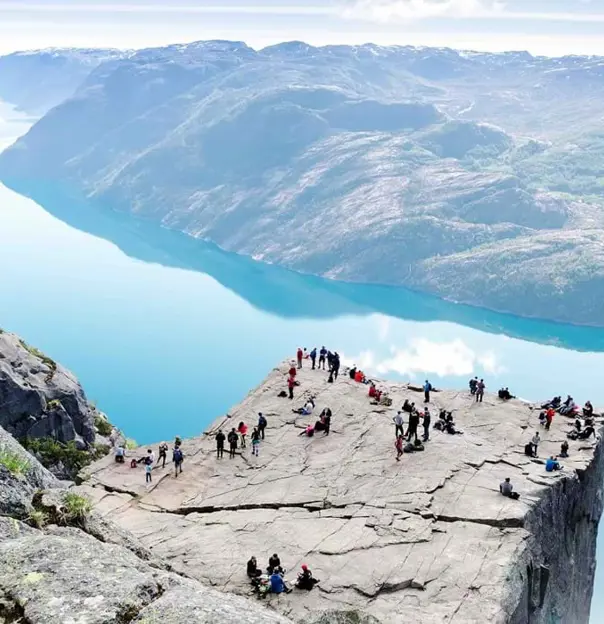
[(39, 398)]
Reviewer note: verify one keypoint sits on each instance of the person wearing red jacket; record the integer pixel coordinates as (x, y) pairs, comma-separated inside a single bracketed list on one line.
[(291, 382), (242, 430), (549, 416), (299, 355)]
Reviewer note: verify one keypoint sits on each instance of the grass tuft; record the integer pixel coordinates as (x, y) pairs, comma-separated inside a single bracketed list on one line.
[(15, 463)]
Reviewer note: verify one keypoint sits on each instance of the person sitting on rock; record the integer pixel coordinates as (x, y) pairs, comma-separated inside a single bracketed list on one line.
[(568, 406), (308, 431), (277, 583), (504, 394), (352, 372), (120, 453), (507, 489), (372, 390), (306, 410), (564, 449), (542, 418), (274, 564), (529, 450), (252, 568), (588, 409), (359, 376), (408, 407), (587, 432), (552, 464), (305, 579)]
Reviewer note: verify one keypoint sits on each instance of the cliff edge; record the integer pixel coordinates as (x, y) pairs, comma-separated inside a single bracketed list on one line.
[(425, 539)]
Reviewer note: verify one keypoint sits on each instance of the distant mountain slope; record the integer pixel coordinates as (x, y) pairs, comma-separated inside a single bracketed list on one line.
[(392, 165), (38, 80)]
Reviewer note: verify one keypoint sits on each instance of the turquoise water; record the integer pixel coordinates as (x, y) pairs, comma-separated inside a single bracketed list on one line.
[(166, 333)]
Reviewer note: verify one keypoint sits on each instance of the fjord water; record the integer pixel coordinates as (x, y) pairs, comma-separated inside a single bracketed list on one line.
[(166, 333)]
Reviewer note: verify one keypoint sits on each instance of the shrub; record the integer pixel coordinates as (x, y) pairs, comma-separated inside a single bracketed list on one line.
[(54, 403), (103, 426), (131, 444), (76, 508), (52, 452), (13, 462), (100, 451), (37, 518)]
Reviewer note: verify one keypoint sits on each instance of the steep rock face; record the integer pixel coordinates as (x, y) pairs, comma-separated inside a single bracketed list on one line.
[(92, 573), (425, 539), (39, 398)]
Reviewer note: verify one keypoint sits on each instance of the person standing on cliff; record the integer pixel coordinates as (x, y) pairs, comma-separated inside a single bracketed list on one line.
[(399, 424), (299, 356), (291, 382), (535, 443), (399, 445), (148, 470), (233, 438), (242, 431), (313, 357), (177, 457), (480, 388), (255, 441), (261, 424), (549, 417), (413, 425), (427, 388), (335, 365), (322, 356), (426, 423), (163, 454), (220, 438), (473, 383)]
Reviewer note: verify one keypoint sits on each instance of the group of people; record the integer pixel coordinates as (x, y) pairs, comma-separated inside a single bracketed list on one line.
[(239, 435), (322, 424), (274, 579), (149, 460), (477, 388)]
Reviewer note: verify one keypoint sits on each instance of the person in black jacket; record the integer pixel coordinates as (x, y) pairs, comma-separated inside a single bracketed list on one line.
[(220, 438), (233, 438), (252, 568), (413, 425), (305, 579), (274, 565)]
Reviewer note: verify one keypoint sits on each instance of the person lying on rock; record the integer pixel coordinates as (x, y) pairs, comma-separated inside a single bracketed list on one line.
[(552, 464), (507, 489), (252, 568), (308, 431), (564, 449), (274, 564), (305, 579)]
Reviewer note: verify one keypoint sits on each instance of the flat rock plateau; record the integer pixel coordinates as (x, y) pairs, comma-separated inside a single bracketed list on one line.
[(428, 539)]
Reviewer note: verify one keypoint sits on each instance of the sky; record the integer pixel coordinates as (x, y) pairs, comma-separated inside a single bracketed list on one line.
[(549, 27)]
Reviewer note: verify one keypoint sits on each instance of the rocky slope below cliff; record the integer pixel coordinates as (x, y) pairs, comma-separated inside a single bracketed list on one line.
[(43, 405), (426, 539), (60, 562), (379, 164)]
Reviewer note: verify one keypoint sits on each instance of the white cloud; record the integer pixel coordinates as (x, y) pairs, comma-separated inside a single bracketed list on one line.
[(427, 357)]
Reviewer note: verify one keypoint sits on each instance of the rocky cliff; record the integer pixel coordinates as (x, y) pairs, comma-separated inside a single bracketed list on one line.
[(40, 400), (61, 563), (425, 539)]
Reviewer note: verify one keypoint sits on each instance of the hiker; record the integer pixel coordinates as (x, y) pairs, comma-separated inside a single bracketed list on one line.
[(552, 464), (535, 440), (255, 441), (163, 454), (352, 372), (262, 422), (427, 388), (399, 424), (220, 438), (322, 356), (292, 371), (480, 391), (274, 565), (313, 357), (120, 454), (542, 418), (278, 585), (242, 431), (299, 355), (326, 419), (564, 449), (177, 458), (507, 489), (148, 470), (549, 417), (232, 438), (588, 409), (413, 425), (291, 382), (305, 579), (426, 423), (335, 365), (473, 383), (252, 568), (399, 445)]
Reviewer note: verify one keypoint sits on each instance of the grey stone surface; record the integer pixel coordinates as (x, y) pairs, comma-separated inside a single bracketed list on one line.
[(425, 539), (39, 398), (17, 489)]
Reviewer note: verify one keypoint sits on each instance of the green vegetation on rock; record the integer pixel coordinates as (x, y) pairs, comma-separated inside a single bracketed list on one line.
[(51, 452), (13, 462), (103, 426)]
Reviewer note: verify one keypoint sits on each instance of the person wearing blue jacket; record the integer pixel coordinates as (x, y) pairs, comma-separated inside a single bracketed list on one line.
[(552, 464), (278, 584)]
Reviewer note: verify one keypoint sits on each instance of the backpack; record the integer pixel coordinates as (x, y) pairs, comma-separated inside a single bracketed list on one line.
[(177, 455), (262, 421)]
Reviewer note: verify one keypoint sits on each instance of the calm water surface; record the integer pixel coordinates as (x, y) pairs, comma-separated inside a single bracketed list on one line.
[(166, 333)]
